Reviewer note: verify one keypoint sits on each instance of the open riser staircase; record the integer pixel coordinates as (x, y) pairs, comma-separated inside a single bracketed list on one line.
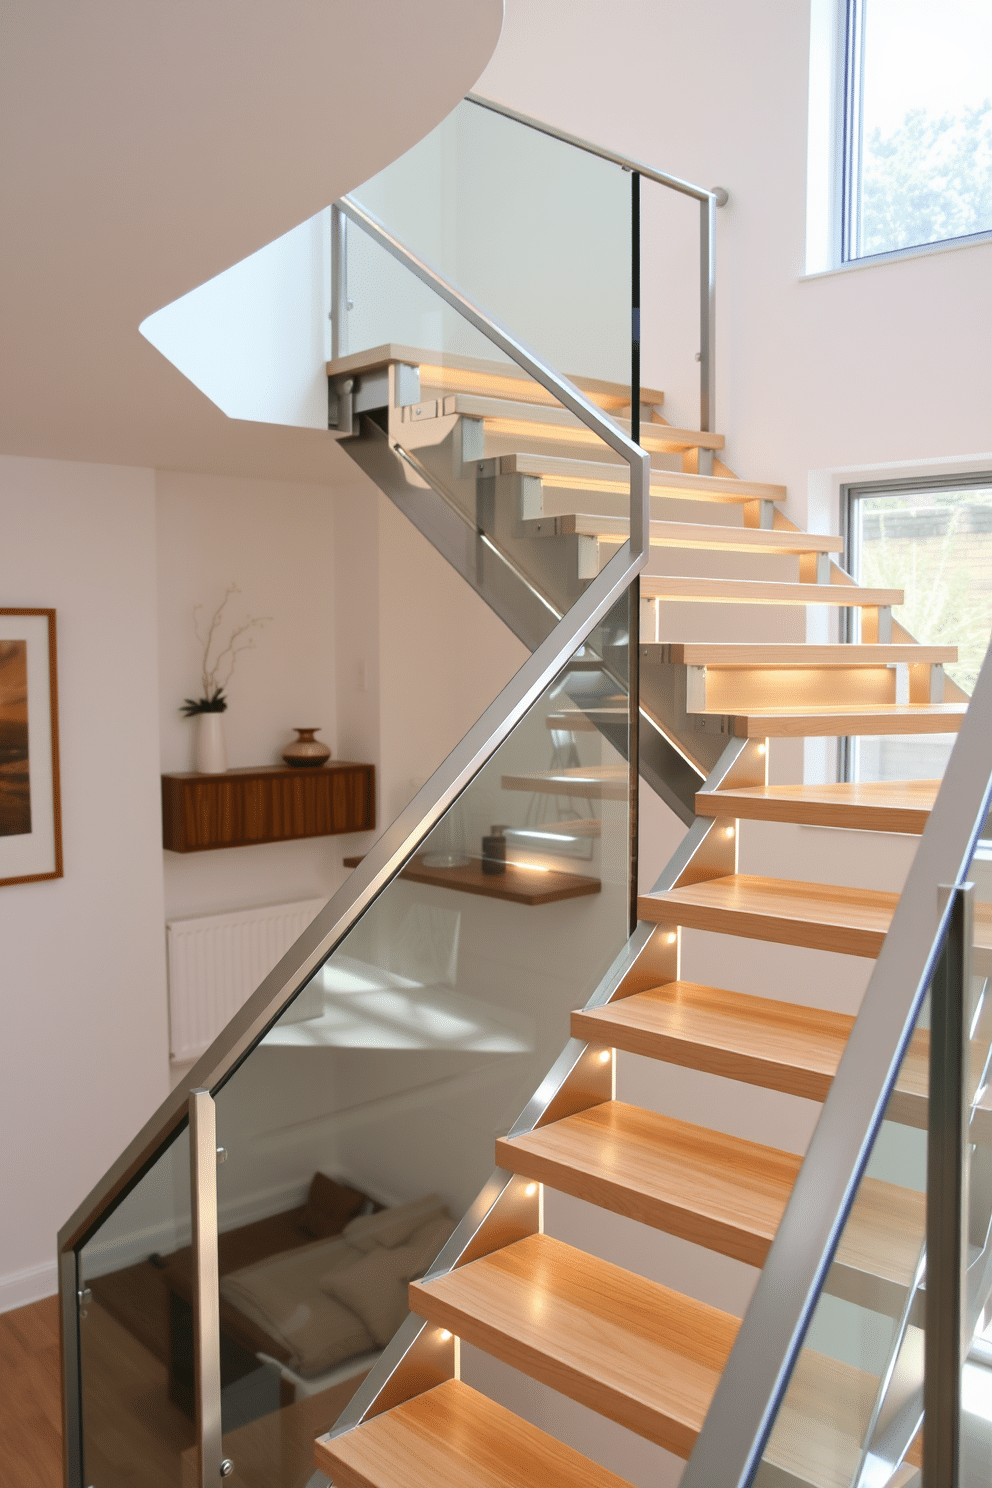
[(636, 1351), (527, 484)]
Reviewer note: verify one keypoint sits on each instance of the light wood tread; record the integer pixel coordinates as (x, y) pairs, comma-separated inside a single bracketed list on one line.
[(777, 1045), (832, 723), (704, 1186), (817, 1435), (635, 1351), (826, 917), (870, 806), (555, 424), (712, 1189), (585, 782), (753, 591), (450, 371), (589, 475), (758, 1041), (799, 654), (684, 534), (453, 1437)]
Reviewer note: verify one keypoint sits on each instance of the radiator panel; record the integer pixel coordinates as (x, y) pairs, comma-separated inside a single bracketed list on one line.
[(215, 963)]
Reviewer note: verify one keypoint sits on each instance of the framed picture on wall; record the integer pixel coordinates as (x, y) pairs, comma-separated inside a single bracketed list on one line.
[(30, 817)]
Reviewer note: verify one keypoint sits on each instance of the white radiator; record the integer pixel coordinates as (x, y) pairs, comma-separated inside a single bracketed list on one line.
[(216, 962)]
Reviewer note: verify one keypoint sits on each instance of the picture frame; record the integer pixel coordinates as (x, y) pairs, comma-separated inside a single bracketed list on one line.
[(30, 799)]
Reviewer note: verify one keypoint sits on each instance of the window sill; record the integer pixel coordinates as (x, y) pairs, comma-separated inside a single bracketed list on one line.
[(922, 250)]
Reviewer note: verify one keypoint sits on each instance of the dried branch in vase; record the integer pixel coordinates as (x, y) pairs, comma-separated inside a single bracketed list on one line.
[(216, 676)]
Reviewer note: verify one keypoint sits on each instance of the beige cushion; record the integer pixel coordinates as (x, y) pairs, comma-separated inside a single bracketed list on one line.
[(283, 1296), (392, 1226), (375, 1287)]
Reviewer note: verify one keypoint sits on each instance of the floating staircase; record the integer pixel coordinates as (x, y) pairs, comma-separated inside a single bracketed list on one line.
[(631, 1349)]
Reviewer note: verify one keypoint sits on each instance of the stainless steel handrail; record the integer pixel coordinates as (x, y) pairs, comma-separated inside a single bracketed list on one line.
[(709, 200), (396, 844), (626, 162), (753, 1384)]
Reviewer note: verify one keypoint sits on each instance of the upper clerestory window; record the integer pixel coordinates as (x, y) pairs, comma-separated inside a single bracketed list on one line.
[(917, 124)]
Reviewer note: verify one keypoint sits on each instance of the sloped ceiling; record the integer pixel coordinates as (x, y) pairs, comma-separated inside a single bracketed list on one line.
[(146, 145)]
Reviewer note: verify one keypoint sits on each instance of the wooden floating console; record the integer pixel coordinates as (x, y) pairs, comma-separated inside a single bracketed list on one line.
[(275, 803)]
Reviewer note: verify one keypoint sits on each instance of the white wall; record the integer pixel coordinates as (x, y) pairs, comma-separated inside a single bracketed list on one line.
[(277, 542), (255, 338), (83, 1057)]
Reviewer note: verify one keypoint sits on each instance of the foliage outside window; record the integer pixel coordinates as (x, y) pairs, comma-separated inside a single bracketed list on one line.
[(918, 123), (935, 543)]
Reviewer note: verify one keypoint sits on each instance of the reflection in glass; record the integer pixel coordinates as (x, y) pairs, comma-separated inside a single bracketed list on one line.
[(363, 1124), (854, 1405), (136, 1334)]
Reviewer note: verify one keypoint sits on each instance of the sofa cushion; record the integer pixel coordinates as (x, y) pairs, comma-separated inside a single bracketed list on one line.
[(329, 1207), (392, 1226), (283, 1297), (375, 1286)]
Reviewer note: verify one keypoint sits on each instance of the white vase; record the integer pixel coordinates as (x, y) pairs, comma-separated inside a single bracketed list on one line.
[(211, 755)]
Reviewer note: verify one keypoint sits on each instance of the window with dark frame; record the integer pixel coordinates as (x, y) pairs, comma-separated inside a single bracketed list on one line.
[(933, 539), (917, 153)]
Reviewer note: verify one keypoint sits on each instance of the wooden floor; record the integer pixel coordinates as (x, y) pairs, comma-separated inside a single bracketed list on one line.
[(136, 1436), (30, 1397)]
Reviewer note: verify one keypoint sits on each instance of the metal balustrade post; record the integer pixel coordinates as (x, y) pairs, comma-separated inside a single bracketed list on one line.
[(707, 319), (206, 1287), (947, 1198), (339, 284)]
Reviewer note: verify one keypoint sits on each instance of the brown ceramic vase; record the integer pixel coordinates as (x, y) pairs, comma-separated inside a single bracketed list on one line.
[(306, 752)]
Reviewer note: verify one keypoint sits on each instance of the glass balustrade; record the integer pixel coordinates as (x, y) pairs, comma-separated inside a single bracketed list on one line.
[(136, 1350), (853, 1412), (533, 229), (363, 1124)]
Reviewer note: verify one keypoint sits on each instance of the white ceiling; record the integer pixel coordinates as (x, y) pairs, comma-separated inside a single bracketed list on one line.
[(146, 145)]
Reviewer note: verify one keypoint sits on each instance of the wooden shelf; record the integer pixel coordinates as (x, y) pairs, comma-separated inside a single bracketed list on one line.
[(275, 803), (518, 885)]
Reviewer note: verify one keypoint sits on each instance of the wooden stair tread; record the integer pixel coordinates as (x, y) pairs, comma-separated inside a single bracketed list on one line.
[(589, 475), (754, 591), (453, 1437), (792, 655), (822, 1422), (778, 1045), (718, 1191), (819, 916), (831, 722), (871, 806), (593, 782), (450, 370), (559, 425), (712, 1189), (684, 534), (578, 1324)]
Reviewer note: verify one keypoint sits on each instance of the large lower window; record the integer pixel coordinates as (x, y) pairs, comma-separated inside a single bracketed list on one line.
[(918, 123), (933, 541)]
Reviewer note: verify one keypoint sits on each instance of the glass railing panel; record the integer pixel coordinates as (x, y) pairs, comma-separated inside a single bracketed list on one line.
[(362, 1126), (854, 1407), (470, 424), (976, 1380), (136, 1334), (536, 231), (860, 1372)]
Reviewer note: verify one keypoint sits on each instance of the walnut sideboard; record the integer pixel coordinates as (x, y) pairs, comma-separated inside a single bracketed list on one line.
[(276, 803)]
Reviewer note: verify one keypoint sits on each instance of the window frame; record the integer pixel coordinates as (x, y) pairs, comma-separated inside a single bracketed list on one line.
[(851, 142), (855, 491)]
